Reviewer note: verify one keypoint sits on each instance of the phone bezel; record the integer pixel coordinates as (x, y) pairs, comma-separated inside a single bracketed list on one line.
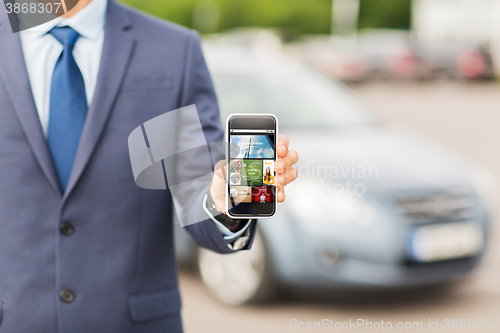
[(228, 159)]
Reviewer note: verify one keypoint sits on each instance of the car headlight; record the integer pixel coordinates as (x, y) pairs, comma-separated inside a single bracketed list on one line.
[(317, 201)]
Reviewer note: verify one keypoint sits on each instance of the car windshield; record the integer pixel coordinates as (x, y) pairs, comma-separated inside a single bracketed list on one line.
[(299, 98)]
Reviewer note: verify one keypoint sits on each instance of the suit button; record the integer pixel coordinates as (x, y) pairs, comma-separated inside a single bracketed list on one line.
[(66, 228), (67, 296)]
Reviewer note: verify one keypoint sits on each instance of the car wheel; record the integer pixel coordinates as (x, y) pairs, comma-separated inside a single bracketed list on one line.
[(238, 278)]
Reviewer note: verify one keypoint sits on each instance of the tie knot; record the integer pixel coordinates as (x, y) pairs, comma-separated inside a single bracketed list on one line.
[(65, 35)]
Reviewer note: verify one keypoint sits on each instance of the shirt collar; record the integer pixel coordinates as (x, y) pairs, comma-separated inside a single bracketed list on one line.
[(89, 22)]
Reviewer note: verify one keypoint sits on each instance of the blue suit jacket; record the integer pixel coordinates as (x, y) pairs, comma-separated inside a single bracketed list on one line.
[(120, 260)]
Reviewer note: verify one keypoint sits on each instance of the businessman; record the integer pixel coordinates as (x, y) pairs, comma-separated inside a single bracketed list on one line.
[(82, 248)]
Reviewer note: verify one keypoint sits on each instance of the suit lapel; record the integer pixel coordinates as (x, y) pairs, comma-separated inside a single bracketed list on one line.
[(15, 77), (117, 52)]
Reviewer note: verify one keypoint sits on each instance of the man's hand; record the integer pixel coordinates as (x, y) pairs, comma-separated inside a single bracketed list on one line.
[(285, 174)]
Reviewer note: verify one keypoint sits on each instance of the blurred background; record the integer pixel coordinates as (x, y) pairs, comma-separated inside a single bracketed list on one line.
[(393, 106)]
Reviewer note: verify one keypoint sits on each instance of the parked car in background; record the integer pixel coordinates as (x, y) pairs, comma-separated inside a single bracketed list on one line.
[(457, 60), (392, 54), (374, 206), (469, 27), (333, 55)]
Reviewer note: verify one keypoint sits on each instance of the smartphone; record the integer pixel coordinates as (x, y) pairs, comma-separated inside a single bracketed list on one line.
[(250, 157)]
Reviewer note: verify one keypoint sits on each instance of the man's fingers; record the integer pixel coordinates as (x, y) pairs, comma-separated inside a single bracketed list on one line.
[(283, 140), (283, 167), (283, 144), (281, 196), (279, 166), (220, 169), (287, 161), (286, 178)]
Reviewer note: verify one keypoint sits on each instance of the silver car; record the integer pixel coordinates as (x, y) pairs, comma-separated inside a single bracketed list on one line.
[(374, 206)]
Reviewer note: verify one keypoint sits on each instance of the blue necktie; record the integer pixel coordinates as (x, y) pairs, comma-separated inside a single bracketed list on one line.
[(68, 106)]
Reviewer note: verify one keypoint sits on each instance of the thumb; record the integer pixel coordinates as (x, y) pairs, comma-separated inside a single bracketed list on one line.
[(218, 187)]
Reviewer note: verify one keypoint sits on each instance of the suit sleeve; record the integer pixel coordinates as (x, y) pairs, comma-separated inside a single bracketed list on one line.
[(198, 89)]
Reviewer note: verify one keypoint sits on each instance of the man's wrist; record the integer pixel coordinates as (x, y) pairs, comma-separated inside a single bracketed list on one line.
[(217, 196), (233, 225)]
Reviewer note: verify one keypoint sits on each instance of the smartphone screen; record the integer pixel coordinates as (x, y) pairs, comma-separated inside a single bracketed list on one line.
[(252, 154)]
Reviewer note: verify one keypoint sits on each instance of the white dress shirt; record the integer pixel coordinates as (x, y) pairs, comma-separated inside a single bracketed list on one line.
[(41, 52)]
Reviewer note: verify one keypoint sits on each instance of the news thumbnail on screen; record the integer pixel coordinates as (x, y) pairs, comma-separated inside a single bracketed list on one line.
[(262, 194), (241, 194), (251, 172), (268, 172), (246, 172), (252, 146)]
